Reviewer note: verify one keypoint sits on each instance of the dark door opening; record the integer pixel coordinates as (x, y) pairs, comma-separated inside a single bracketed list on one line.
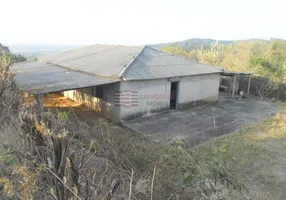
[(97, 91), (173, 95)]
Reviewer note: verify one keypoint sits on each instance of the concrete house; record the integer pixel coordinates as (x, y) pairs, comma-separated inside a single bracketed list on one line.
[(121, 82)]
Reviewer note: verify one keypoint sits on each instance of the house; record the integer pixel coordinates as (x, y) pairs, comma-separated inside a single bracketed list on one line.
[(121, 82)]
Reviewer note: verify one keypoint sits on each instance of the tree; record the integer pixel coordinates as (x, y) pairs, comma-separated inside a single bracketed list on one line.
[(6, 53), (213, 55), (176, 50), (267, 59)]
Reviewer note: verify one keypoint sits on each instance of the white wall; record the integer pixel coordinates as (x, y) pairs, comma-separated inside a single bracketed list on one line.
[(153, 96), (198, 88), (191, 90)]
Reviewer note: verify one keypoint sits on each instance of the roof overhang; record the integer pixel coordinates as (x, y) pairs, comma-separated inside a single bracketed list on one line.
[(231, 73), (36, 77)]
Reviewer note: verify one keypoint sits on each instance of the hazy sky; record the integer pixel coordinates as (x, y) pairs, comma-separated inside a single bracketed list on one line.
[(138, 21)]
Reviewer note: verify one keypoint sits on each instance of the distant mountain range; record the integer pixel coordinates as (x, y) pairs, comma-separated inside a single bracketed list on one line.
[(31, 51), (193, 43), (196, 43)]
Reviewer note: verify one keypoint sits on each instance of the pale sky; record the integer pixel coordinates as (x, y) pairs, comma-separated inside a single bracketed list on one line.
[(134, 22)]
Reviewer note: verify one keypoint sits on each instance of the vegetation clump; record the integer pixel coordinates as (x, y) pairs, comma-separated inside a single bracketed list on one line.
[(266, 60), (5, 53)]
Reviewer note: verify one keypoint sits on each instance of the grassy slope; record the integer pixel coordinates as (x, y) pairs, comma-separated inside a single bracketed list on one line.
[(258, 156)]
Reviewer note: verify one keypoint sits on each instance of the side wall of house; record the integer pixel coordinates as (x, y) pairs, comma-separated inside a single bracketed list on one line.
[(149, 96), (131, 99), (154, 95), (198, 89)]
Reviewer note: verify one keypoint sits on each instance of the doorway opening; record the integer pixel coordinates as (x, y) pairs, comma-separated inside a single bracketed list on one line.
[(173, 95)]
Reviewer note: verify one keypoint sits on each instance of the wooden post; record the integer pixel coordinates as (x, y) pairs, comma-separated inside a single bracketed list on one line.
[(233, 86), (249, 82), (39, 106)]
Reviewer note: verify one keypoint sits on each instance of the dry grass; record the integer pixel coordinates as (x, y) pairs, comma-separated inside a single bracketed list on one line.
[(258, 156)]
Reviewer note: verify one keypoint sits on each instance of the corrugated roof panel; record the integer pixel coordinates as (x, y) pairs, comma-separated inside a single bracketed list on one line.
[(104, 60), (152, 64), (36, 77), (100, 64)]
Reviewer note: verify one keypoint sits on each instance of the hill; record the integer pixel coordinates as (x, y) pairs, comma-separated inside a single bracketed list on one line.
[(196, 43), (190, 44), (31, 51)]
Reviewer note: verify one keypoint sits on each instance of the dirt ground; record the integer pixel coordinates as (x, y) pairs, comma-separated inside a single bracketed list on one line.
[(196, 125)]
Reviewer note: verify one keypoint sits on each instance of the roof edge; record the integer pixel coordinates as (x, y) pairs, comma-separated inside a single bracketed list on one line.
[(148, 79), (131, 62)]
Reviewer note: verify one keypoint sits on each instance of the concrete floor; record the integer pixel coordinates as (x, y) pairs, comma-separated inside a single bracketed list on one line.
[(201, 123)]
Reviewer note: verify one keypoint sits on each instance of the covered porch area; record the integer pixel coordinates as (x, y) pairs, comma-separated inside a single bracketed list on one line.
[(235, 84), (48, 85)]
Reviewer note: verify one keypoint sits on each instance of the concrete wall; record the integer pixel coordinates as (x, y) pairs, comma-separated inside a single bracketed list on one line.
[(198, 89), (153, 96), (108, 95), (103, 106), (149, 96)]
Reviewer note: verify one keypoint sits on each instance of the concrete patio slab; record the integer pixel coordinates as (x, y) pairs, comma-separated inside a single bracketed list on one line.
[(201, 123)]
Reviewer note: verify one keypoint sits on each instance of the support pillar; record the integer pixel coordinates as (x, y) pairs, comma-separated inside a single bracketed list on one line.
[(233, 86), (39, 106), (249, 82)]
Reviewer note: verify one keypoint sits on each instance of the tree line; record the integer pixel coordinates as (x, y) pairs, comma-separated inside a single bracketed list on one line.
[(263, 58)]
